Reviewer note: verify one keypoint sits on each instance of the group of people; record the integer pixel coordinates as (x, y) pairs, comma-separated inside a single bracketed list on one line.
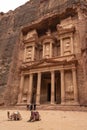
[(31, 107), (35, 116)]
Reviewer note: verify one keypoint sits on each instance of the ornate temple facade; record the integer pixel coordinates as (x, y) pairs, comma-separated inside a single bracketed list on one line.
[(49, 64), (48, 61)]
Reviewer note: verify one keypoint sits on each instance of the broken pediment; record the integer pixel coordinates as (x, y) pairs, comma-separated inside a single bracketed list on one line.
[(31, 36), (62, 30), (66, 26)]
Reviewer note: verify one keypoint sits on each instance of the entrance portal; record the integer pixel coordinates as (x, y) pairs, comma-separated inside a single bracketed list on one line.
[(46, 88)]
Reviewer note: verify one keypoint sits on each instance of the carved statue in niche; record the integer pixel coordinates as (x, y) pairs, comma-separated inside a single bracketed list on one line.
[(25, 88), (28, 53), (69, 85), (67, 46), (48, 32), (47, 50)]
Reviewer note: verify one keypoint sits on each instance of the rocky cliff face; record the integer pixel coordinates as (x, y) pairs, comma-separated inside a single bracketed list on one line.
[(10, 26)]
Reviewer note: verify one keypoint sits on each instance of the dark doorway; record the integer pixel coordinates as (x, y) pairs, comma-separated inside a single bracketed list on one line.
[(55, 92), (49, 92)]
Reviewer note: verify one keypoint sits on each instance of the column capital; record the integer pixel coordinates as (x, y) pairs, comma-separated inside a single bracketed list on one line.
[(39, 72), (31, 74), (73, 68), (22, 74), (52, 71), (62, 70)]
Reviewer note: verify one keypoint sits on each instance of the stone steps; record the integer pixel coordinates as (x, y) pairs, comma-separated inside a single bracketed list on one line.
[(61, 107), (48, 107)]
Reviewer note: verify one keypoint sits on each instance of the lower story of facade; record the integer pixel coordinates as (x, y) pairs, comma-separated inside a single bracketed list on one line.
[(49, 85)]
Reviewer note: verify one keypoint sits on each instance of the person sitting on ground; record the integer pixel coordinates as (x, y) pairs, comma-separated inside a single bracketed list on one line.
[(37, 116), (34, 116), (14, 116)]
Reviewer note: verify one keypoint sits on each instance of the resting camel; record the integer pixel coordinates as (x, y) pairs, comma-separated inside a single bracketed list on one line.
[(14, 116)]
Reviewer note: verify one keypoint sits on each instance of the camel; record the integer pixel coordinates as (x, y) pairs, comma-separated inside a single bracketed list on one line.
[(14, 116)]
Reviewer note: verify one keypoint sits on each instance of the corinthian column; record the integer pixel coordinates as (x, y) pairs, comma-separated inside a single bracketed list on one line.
[(21, 89), (62, 87), (72, 46), (75, 85), (38, 88), (29, 97), (43, 50), (25, 54), (33, 52), (50, 49), (52, 87), (61, 46)]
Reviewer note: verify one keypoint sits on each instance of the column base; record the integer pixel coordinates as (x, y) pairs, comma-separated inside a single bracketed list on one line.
[(76, 103), (52, 103), (38, 104), (62, 103), (21, 104)]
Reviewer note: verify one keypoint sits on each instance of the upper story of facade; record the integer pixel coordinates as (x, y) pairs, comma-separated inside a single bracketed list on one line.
[(51, 40)]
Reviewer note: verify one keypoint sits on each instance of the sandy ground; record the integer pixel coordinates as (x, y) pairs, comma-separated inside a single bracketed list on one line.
[(50, 120)]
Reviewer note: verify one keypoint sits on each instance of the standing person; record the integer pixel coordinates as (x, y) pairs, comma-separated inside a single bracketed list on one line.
[(34, 106), (31, 107)]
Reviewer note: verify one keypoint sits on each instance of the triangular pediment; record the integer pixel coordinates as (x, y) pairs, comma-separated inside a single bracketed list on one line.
[(45, 63)]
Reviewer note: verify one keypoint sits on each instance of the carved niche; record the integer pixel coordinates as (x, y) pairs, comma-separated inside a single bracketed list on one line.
[(47, 50), (69, 90), (28, 53), (67, 46), (48, 41), (30, 44), (25, 89)]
